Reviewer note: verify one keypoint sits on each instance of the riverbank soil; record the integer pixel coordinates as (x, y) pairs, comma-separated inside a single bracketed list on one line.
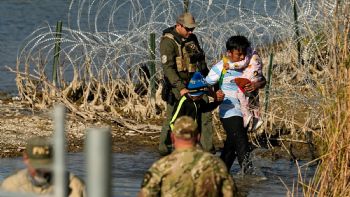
[(19, 122)]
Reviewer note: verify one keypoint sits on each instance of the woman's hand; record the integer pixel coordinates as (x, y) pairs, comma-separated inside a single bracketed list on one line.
[(250, 87)]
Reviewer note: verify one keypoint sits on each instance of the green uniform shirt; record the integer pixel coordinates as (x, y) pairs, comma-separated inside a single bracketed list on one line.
[(169, 51), (188, 172)]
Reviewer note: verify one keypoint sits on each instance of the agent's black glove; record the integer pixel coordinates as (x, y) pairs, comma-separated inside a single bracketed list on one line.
[(197, 57)]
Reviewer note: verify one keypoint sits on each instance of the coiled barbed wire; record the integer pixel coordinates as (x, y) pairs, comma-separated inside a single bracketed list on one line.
[(113, 36), (122, 28)]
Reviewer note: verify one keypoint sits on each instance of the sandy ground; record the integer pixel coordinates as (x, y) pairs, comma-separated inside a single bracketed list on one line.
[(19, 123)]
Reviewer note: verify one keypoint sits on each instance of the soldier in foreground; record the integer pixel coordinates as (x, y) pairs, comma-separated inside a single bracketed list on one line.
[(187, 171), (37, 177)]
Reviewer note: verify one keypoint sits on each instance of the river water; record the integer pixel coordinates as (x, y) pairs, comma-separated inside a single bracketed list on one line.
[(18, 19), (128, 170)]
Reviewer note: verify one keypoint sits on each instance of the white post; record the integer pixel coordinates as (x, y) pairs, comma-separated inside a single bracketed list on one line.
[(60, 174), (98, 150)]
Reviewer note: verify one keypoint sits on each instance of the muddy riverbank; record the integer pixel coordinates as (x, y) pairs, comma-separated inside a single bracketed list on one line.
[(19, 122)]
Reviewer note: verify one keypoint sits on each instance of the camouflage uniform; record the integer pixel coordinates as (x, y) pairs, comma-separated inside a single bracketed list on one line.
[(176, 50), (188, 172), (21, 182)]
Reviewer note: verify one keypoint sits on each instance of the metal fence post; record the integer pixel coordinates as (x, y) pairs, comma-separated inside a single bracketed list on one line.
[(186, 4), (98, 150), (152, 64), (60, 173), (297, 34), (268, 84), (56, 51)]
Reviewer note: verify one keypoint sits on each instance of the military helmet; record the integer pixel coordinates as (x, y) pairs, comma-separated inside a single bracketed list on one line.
[(185, 127)]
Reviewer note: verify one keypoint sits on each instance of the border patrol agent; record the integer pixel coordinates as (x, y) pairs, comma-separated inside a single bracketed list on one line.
[(187, 171), (181, 56), (37, 177)]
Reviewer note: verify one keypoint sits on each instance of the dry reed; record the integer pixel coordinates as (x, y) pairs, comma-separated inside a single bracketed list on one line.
[(332, 177)]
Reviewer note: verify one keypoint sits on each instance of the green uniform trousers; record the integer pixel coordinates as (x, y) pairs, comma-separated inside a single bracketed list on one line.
[(206, 141)]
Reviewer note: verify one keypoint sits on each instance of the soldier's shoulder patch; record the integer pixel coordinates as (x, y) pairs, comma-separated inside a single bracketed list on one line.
[(164, 59), (146, 178)]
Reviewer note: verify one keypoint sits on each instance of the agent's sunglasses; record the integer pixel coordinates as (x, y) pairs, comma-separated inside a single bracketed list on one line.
[(189, 29)]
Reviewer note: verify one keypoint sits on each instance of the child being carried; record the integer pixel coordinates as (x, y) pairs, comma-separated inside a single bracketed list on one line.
[(251, 67)]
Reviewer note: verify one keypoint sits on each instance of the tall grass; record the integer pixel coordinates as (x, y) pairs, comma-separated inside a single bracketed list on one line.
[(332, 177)]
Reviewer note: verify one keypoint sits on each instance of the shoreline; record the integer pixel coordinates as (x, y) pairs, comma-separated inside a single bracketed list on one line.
[(19, 123)]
